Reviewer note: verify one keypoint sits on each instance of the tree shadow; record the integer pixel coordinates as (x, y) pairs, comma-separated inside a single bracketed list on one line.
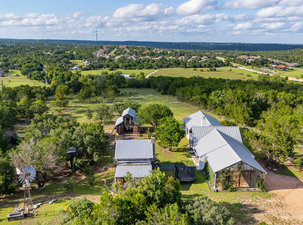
[(242, 213)]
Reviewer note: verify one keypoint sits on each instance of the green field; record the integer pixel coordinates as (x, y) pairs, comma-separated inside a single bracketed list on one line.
[(14, 79), (130, 72), (77, 108), (296, 72), (222, 72)]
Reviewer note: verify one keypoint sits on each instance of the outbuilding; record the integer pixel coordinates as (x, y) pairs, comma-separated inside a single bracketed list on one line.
[(128, 122), (135, 157)]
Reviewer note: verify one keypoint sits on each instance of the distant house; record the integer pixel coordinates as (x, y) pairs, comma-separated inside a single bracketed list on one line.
[(128, 122), (282, 67), (219, 149), (198, 119), (135, 157), (76, 68), (126, 76)]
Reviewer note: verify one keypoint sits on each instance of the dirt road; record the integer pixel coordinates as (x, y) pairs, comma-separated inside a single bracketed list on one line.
[(286, 206)]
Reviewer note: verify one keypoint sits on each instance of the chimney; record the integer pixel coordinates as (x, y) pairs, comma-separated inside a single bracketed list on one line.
[(153, 141)]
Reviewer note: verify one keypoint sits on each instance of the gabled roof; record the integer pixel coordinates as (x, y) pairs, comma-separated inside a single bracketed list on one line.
[(134, 149), (200, 132), (200, 119), (129, 111), (119, 121), (136, 170), (223, 151)]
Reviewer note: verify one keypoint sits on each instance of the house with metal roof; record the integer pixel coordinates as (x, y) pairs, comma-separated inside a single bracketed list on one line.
[(128, 122), (198, 119), (221, 150), (135, 157)]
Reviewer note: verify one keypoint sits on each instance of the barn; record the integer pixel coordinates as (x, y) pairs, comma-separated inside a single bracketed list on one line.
[(128, 122)]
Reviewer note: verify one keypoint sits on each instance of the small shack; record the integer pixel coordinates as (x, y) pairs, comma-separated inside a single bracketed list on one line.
[(128, 122)]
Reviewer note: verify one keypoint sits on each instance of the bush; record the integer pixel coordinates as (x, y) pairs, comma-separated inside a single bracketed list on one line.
[(70, 184), (205, 211), (7, 176), (260, 183), (225, 179), (233, 189), (299, 162), (79, 211), (89, 175)]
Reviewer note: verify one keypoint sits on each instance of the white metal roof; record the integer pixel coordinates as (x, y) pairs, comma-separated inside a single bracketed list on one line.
[(134, 149), (200, 132), (135, 170), (129, 111), (119, 121), (223, 151), (200, 119)]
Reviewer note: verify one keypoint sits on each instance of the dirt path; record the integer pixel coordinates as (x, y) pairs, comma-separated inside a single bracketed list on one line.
[(151, 73), (286, 207)]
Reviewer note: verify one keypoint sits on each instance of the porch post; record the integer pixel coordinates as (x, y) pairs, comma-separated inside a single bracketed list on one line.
[(215, 181)]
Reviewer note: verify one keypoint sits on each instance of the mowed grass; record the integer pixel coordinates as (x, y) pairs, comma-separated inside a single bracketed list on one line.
[(221, 72), (130, 72), (46, 214), (15, 78)]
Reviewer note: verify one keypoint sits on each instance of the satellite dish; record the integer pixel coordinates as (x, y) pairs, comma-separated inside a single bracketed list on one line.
[(27, 175)]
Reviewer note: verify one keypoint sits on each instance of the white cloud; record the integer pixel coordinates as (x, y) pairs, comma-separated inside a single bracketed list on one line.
[(32, 19), (243, 26), (95, 21), (296, 26), (273, 26), (76, 14), (205, 19), (291, 2), (280, 11), (249, 4), (195, 6), (139, 12)]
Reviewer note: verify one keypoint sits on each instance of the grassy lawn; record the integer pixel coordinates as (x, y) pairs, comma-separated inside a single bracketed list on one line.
[(130, 72), (77, 108), (291, 171), (15, 78), (222, 72), (47, 214)]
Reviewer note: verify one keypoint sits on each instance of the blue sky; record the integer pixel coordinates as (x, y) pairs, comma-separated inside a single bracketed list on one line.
[(268, 21)]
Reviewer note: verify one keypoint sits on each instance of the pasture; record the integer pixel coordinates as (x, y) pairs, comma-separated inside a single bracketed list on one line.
[(15, 78), (221, 72)]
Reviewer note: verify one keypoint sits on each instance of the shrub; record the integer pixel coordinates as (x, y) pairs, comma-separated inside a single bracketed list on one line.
[(70, 184), (233, 189), (79, 211), (299, 162), (260, 183), (89, 175), (225, 179), (205, 211)]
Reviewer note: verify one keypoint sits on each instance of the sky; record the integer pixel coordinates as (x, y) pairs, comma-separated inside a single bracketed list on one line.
[(249, 21)]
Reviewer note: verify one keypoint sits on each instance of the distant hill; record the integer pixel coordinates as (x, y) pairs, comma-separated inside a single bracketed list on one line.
[(178, 45)]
